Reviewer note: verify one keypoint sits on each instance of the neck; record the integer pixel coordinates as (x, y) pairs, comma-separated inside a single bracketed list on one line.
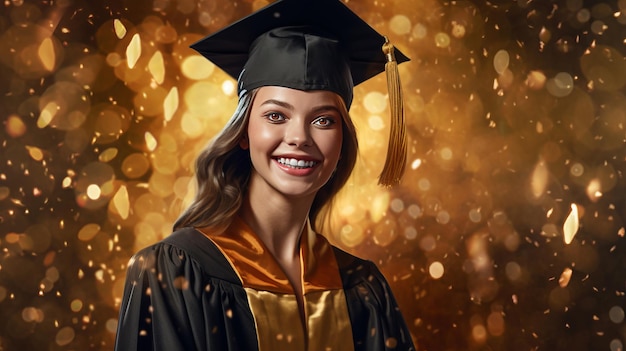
[(278, 221)]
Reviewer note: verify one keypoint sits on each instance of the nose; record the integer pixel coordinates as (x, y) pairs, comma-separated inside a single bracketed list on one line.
[(297, 133)]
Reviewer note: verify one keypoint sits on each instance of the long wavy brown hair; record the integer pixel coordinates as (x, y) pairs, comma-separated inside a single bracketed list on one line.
[(223, 170)]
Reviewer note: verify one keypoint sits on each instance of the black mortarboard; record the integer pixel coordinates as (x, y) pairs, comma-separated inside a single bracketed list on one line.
[(309, 45)]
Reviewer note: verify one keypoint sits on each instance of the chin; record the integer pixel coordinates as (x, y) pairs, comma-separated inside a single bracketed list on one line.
[(297, 188)]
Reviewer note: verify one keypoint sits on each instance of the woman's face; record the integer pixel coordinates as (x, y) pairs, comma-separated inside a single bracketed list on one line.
[(294, 138)]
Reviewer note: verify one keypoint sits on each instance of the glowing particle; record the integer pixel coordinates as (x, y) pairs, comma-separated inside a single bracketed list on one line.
[(111, 325), (35, 153), (446, 153), (156, 66), (577, 169), (501, 61), (151, 142), (583, 15), (376, 123), (400, 24), (197, 67), (513, 271), (47, 114), (598, 27), (191, 125), (442, 40), (136, 165), (545, 35), (616, 345), (228, 87), (93, 191), (593, 189), (350, 236), (495, 323), (414, 211), (379, 206), (53, 274), (391, 343), (416, 163), (410, 233), (539, 179), (397, 205), (616, 314), (479, 333), (443, 217), (76, 305), (32, 314), (475, 215), (428, 243), (561, 85), (170, 104), (419, 31), (423, 184), (375, 102), (12, 238), (121, 202), (133, 51), (65, 336), (108, 154), (120, 30), (436, 270), (15, 127), (565, 277), (46, 54), (181, 283), (458, 30), (99, 275), (384, 232), (535, 80), (88, 231), (570, 227)]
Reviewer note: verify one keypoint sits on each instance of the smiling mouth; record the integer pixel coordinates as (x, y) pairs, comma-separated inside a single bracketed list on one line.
[(294, 163)]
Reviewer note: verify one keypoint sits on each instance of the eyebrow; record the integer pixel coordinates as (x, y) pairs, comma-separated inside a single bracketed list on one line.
[(277, 102), (291, 107)]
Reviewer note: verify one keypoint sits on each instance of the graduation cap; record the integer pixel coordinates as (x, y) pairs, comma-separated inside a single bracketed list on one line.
[(312, 45)]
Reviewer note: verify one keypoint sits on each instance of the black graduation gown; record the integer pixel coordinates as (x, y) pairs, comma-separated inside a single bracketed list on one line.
[(189, 292)]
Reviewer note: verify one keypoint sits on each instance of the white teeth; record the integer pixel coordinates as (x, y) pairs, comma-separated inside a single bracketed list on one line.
[(292, 162)]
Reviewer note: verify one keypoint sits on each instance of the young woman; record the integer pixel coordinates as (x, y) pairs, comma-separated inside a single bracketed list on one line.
[(245, 268)]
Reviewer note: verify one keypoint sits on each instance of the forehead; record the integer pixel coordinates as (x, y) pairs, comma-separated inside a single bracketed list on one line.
[(298, 98)]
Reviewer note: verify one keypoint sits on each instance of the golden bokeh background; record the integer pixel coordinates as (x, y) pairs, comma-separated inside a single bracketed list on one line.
[(507, 232)]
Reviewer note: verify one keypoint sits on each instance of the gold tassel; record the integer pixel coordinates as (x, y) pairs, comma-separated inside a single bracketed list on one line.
[(397, 149)]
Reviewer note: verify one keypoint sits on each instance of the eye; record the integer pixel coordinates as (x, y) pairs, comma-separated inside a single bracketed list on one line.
[(274, 117), (324, 122)]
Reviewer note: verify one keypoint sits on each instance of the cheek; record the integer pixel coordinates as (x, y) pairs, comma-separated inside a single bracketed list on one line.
[(260, 137), (331, 146)]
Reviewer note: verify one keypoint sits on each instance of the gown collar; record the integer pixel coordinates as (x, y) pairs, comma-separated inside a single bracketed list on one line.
[(258, 269)]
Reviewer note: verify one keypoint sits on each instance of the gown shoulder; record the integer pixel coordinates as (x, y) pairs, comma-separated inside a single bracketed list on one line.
[(377, 322), (181, 294)]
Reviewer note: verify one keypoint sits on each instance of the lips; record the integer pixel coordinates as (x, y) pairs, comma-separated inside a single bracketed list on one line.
[(296, 163)]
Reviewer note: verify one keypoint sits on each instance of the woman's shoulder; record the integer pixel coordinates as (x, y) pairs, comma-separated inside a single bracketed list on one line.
[(355, 270), (348, 261), (186, 249)]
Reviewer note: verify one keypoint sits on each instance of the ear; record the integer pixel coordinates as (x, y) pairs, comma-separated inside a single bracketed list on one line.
[(243, 142)]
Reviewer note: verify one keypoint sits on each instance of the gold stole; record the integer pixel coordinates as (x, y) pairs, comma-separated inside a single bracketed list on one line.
[(272, 298)]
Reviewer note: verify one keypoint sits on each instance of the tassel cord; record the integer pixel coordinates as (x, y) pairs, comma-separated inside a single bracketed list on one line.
[(395, 162)]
